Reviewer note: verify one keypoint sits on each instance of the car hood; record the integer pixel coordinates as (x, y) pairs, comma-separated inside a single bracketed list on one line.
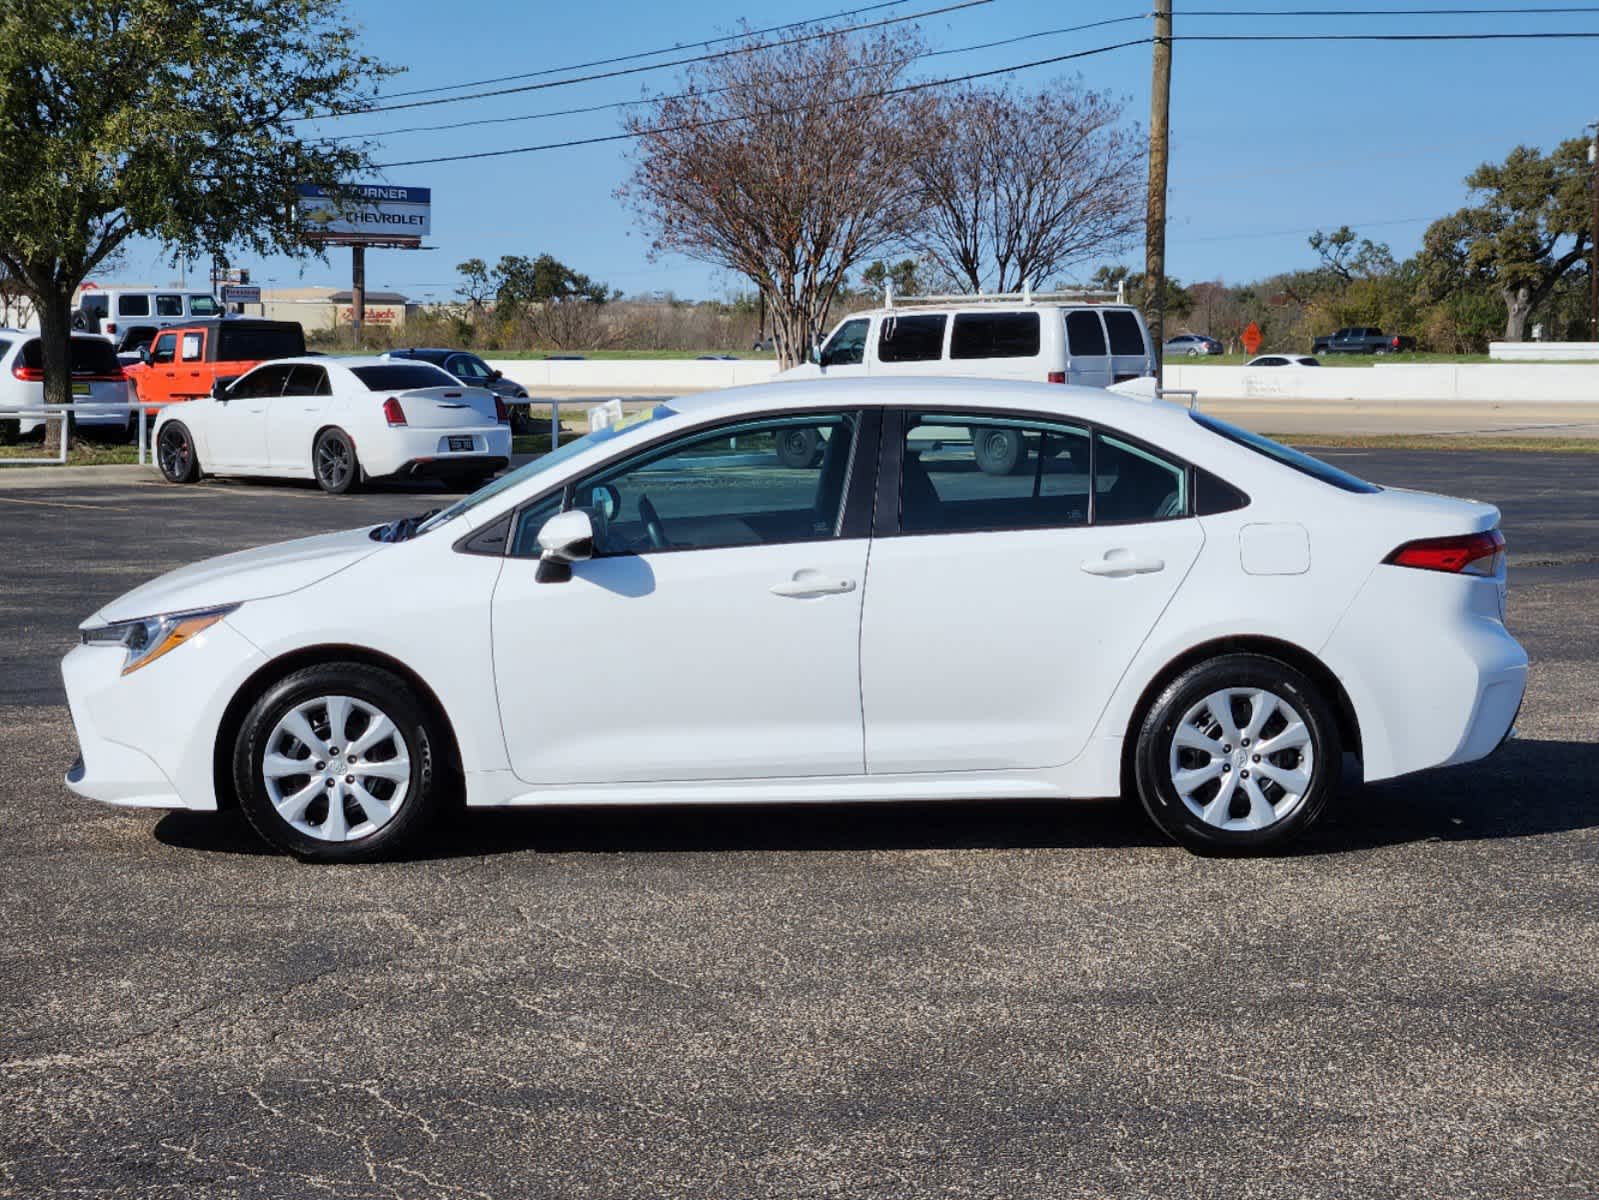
[(248, 575)]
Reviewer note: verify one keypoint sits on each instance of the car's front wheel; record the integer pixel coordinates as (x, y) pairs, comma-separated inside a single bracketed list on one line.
[(1240, 753), (175, 454), (335, 763)]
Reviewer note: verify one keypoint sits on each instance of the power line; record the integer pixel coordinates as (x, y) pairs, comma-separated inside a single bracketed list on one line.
[(617, 104), (620, 58), (1388, 12), (1379, 37), (676, 62), (688, 125)]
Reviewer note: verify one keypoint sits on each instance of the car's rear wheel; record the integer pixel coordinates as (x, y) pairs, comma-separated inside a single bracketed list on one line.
[(335, 763), (175, 454), (1240, 753), (334, 461)]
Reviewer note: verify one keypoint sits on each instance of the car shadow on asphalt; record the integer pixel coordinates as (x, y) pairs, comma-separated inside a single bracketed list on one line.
[(1490, 800)]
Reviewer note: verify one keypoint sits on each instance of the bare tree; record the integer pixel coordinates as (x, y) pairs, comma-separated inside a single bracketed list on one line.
[(789, 165), (1015, 188)]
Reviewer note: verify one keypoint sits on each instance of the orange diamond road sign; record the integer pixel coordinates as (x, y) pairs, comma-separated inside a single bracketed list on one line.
[(1252, 339)]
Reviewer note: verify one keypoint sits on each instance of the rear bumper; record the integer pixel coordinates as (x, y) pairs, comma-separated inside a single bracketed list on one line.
[(457, 464), (409, 451)]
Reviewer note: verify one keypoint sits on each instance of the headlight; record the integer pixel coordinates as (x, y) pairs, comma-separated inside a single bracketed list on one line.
[(148, 638)]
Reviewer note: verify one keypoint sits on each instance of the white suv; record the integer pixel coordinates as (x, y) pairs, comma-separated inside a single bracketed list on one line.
[(1001, 337), (115, 311)]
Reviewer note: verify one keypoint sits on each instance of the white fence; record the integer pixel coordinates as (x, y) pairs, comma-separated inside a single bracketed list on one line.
[(60, 412), (1544, 351)]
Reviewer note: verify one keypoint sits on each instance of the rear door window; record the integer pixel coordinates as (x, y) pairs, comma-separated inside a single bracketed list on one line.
[(915, 338), (1125, 335), (995, 335), (1085, 336), (192, 348), (961, 473), (1134, 484), (133, 306), (306, 380), (169, 306)]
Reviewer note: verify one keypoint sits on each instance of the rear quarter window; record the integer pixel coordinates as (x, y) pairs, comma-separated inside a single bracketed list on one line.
[(1286, 455), (244, 343), (995, 335)]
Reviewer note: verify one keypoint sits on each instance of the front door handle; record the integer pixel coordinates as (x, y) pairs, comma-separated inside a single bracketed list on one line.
[(812, 583), (1120, 563)]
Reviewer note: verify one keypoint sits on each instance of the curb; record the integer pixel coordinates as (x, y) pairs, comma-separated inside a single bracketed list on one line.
[(32, 477)]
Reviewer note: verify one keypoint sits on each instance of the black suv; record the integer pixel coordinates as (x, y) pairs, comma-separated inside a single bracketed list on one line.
[(474, 372)]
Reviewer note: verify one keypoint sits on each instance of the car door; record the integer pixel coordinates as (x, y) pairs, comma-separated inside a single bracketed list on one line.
[(1003, 609), (844, 355), (716, 632), (1087, 354), (160, 376), (294, 418), (189, 376), (237, 429)]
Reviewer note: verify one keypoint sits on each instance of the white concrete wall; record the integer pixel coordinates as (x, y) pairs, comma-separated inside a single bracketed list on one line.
[(1506, 383), (1443, 383), (1564, 351)]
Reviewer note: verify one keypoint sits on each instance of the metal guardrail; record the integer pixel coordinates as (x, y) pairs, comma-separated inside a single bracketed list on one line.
[(60, 412)]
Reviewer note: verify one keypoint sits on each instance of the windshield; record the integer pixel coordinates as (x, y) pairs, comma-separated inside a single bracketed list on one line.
[(1287, 455), (545, 462)]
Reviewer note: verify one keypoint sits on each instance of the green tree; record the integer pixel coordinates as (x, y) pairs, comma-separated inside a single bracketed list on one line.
[(1346, 257), (1179, 300), (905, 276), (520, 282), (168, 119), (1528, 230)]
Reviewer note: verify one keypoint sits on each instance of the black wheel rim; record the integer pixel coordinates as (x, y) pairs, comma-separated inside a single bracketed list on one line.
[(333, 462), (175, 453)]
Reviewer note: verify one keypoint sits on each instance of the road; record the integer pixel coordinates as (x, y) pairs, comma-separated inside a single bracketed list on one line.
[(983, 1000)]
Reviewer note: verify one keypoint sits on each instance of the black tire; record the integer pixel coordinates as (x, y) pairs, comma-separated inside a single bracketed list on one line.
[(799, 448), (175, 454), (334, 463), (1156, 758), (522, 422), (10, 432), (999, 451), (414, 725)]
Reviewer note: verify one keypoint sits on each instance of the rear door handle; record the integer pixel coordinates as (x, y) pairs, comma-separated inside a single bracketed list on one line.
[(812, 583), (1120, 563)]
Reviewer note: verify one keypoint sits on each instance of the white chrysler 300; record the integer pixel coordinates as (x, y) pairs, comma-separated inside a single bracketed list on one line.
[(894, 589)]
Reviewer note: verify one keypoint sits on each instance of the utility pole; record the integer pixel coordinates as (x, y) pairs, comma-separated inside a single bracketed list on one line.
[(1159, 142), (357, 289), (1593, 238)]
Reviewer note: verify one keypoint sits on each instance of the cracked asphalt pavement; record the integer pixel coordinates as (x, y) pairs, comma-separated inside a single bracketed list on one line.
[(973, 1000)]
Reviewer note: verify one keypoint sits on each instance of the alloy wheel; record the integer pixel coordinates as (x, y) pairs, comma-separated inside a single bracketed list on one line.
[(336, 768), (1242, 759), (333, 463), (175, 453)]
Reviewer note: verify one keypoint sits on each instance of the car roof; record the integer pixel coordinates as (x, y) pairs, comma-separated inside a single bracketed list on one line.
[(441, 351), (979, 305)]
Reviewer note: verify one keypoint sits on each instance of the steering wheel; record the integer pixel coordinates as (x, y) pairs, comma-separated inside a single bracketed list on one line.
[(652, 523)]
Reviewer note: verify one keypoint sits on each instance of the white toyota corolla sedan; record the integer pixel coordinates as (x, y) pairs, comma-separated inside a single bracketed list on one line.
[(339, 421), (971, 590)]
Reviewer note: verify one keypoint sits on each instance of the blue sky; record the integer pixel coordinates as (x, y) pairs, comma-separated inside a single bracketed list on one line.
[(1270, 140)]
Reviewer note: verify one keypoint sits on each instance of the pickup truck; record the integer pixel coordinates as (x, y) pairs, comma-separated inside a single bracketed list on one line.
[(186, 362), (1362, 339)]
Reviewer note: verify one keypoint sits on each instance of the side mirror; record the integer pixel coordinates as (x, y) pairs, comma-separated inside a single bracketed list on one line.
[(219, 390), (494, 373), (144, 354), (567, 538), (816, 355)]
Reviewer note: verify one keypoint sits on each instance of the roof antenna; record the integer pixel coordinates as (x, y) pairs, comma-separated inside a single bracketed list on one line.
[(888, 292), (1027, 292)]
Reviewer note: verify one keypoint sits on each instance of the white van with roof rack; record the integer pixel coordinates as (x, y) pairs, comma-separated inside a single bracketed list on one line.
[(1087, 338)]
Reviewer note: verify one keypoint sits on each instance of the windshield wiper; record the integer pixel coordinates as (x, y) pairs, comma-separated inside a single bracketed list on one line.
[(401, 529)]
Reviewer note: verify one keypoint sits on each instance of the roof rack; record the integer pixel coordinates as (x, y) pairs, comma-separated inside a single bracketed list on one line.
[(1118, 295)]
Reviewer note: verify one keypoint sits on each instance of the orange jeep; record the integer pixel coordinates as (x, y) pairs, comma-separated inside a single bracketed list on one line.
[(186, 362)]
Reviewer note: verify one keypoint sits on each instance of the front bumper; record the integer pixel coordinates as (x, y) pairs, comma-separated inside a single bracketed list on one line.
[(145, 740)]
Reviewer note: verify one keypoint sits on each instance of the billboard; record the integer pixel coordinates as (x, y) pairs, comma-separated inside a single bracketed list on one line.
[(366, 212)]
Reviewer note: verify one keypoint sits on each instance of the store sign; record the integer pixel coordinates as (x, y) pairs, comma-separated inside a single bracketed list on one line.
[(240, 293), (366, 212), (386, 315)]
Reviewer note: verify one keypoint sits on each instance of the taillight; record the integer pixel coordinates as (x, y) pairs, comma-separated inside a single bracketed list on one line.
[(1395, 342), (28, 374), (392, 412), (111, 327), (501, 414), (1057, 376), (1468, 554)]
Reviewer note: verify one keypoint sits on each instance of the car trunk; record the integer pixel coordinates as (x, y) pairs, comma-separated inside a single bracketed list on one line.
[(447, 408)]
